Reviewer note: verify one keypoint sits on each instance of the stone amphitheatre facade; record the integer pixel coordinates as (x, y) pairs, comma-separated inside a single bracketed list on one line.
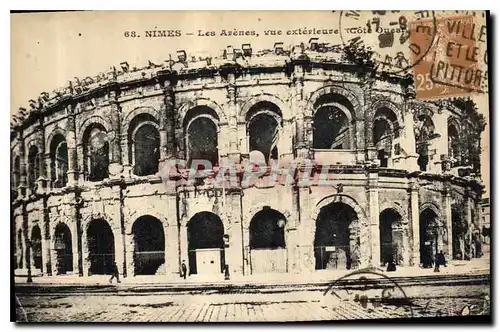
[(87, 186)]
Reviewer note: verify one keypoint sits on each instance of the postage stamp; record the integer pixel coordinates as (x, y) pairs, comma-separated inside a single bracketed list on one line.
[(457, 61)]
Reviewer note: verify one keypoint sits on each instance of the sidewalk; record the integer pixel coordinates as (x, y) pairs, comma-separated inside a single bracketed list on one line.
[(478, 266)]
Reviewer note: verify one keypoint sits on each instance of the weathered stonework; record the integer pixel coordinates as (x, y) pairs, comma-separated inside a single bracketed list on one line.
[(171, 96)]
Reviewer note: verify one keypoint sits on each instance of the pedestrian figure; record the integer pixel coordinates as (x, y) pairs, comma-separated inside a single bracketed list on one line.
[(226, 272), (442, 259), (437, 261), (115, 274), (183, 269), (391, 266)]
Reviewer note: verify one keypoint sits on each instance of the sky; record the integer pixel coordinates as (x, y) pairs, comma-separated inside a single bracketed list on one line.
[(49, 49)]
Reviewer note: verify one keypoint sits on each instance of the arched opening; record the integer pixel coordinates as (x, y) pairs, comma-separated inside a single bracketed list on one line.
[(264, 122), (144, 145), (336, 242), (391, 237), (33, 167), (201, 134), (149, 245), (96, 152), (58, 161), (205, 244), (20, 249), (385, 130), (459, 231), (454, 145), (101, 246), (331, 124), (430, 237), (64, 249), (424, 133), (36, 247), (267, 242)]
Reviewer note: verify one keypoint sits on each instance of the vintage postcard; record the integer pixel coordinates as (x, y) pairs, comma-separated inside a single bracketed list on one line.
[(230, 166)]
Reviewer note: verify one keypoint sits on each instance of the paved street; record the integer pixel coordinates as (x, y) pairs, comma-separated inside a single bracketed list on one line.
[(241, 305)]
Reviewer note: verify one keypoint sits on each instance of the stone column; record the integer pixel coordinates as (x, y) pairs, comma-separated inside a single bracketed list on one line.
[(374, 218), (183, 241), (441, 143), (42, 179), (470, 224), (80, 176), (167, 123), (306, 230), (415, 224), (73, 174), (129, 252), (172, 244), (45, 230), (233, 112), (408, 157), (21, 188), (115, 165), (298, 109), (74, 244), (234, 254), (119, 252), (448, 250)]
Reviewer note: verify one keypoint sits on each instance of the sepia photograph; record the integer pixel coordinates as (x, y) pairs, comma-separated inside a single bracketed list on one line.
[(250, 166)]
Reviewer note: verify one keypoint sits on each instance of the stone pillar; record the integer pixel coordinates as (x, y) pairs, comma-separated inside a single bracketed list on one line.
[(115, 165), (129, 252), (234, 254), (125, 149), (183, 241), (49, 170), (306, 230), (74, 245), (408, 156), (45, 230), (167, 124), (172, 240), (73, 163), (42, 179), (448, 250), (470, 224), (440, 143), (53, 257), (85, 253), (415, 224), (298, 110), (373, 203), (21, 188), (233, 112), (119, 252), (80, 176)]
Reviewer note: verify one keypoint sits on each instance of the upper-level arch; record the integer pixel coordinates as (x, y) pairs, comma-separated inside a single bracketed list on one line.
[(332, 90), (89, 122), (263, 99), (132, 115), (197, 103)]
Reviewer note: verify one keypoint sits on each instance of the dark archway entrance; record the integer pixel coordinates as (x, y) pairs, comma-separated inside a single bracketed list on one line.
[(101, 245), (36, 247), (336, 244), (391, 237), (267, 242), (205, 244), (64, 249), (149, 245), (430, 237)]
